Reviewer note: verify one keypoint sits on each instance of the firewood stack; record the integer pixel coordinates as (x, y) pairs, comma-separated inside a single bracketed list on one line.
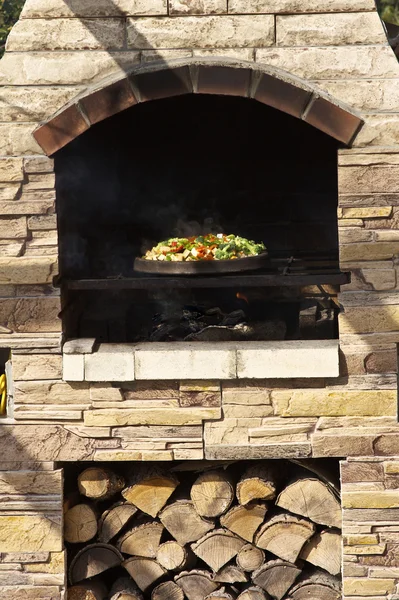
[(258, 531)]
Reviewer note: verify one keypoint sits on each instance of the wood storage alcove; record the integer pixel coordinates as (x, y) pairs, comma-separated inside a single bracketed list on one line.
[(257, 530)]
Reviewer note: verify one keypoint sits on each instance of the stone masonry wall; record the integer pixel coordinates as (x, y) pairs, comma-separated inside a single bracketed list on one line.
[(32, 559), (370, 529)]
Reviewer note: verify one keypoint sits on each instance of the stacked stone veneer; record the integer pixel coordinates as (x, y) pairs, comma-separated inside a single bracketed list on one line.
[(57, 50)]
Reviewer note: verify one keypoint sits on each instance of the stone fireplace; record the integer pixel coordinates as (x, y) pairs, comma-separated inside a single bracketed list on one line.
[(122, 121)]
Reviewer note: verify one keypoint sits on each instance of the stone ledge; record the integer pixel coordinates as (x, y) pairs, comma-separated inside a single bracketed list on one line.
[(204, 360)]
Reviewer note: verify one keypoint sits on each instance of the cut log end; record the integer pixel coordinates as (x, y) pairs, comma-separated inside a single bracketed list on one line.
[(114, 519), (244, 520), (144, 571), (217, 548), (99, 484), (196, 585), (142, 540), (124, 588), (80, 524), (184, 523), (324, 550), (167, 591), (250, 558), (253, 593), (212, 493), (257, 483), (151, 490), (319, 585), (313, 499), (276, 577), (94, 590), (285, 535), (174, 557), (93, 560)]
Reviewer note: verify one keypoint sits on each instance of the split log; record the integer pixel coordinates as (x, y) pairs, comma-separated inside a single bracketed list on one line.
[(196, 585), (150, 489), (324, 550), (212, 493), (217, 547), (230, 574), (250, 558), (142, 540), (99, 483), (258, 482), (221, 594), (93, 560), (114, 519), (323, 471), (184, 523), (319, 585), (313, 499), (276, 577), (174, 557), (285, 535), (253, 593), (91, 590), (167, 591), (80, 524), (144, 571), (125, 589), (244, 520)]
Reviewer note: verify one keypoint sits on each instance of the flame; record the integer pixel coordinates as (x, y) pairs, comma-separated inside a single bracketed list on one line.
[(242, 297)]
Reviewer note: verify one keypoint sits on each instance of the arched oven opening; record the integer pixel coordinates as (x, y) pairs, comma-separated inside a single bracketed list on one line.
[(188, 166)]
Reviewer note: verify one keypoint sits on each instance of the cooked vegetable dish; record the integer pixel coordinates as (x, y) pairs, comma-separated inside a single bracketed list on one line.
[(205, 247)]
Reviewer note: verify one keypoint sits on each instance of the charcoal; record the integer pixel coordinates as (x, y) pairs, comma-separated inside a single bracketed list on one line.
[(233, 318), (266, 330), (216, 333)]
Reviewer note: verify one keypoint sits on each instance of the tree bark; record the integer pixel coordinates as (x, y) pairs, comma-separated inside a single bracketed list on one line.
[(231, 574), (221, 594)]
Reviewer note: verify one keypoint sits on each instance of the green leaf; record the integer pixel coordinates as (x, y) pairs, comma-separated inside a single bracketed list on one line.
[(9, 15)]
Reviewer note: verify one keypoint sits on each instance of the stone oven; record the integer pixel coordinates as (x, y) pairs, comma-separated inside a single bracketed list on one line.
[(125, 121)]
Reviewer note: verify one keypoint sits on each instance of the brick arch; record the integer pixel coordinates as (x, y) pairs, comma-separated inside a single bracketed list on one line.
[(267, 85)]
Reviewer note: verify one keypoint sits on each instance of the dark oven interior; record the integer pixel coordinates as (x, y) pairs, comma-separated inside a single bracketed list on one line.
[(194, 165)]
